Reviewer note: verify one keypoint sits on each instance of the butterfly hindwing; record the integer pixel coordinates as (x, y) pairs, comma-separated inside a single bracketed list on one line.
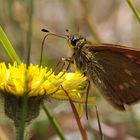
[(116, 76)]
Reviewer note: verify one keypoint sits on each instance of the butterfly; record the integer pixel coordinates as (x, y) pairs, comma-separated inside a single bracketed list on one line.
[(113, 69)]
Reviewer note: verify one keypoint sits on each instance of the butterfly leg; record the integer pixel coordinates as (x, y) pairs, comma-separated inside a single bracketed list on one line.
[(58, 64), (86, 102), (69, 60)]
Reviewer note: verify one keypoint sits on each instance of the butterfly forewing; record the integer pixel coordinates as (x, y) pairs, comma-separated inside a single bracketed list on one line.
[(133, 54)]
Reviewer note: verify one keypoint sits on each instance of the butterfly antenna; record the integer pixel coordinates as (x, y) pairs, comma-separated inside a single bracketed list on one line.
[(48, 34), (51, 33)]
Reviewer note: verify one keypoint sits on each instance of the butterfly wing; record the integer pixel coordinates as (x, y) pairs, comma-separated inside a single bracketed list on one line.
[(133, 54), (115, 70)]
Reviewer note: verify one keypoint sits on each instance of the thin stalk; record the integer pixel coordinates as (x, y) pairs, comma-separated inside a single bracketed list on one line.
[(54, 122), (137, 14), (29, 32)]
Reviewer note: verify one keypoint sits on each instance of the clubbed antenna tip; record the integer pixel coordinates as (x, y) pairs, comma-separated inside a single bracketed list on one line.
[(44, 30)]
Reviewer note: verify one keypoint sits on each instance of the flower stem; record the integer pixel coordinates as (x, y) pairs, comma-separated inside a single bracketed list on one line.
[(20, 122), (54, 122)]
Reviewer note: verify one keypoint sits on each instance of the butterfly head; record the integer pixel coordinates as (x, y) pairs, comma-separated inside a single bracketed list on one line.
[(75, 41)]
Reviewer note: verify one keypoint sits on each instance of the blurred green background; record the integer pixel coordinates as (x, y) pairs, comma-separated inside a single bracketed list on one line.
[(110, 21)]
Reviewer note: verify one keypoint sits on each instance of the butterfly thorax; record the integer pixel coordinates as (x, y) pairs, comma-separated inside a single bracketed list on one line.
[(81, 54)]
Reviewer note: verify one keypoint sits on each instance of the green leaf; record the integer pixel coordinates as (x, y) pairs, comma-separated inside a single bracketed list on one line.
[(8, 47)]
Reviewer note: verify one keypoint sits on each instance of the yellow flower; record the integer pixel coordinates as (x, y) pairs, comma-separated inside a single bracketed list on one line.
[(34, 80), (37, 83)]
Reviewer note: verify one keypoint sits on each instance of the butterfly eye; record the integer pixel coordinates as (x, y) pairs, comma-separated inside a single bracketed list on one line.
[(74, 40)]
